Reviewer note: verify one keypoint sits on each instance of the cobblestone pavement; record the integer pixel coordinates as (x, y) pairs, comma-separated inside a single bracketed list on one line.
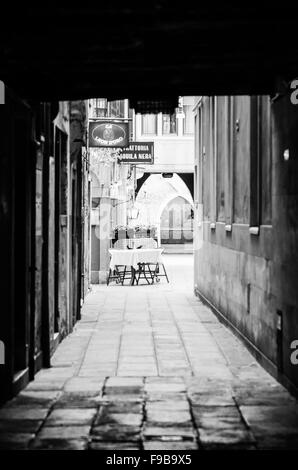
[(150, 367)]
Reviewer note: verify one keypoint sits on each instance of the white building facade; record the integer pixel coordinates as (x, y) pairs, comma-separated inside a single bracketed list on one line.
[(167, 203), (173, 137)]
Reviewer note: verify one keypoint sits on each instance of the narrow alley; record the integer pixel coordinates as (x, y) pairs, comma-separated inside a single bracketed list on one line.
[(149, 228), (151, 367)]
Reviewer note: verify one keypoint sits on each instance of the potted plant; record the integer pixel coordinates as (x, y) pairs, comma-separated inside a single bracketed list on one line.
[(151, 231), (141, 231), (119, 233), (130, 232)]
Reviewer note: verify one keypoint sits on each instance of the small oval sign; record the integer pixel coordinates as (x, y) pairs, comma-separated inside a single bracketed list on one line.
[(108, 134)]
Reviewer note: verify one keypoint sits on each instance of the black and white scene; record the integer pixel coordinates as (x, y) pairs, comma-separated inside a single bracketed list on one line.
[(149, 229)]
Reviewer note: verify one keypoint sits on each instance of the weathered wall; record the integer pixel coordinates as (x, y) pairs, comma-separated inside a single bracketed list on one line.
[(72, 122), (21, 210), (101, 241), (250, 276), (7, 286), (234, 275), (64, 260), (51, 250), (38, 251), (77, 134), (86, 254), (284, 272), (40, 219)]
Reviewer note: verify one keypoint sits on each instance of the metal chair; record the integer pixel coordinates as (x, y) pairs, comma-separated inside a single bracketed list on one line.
[(147, 271), (157, 275), (114, 274), (151, 270), (121, 272)]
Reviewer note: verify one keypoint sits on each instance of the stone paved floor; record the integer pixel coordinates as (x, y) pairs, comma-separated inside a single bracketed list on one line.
[(150, 367)]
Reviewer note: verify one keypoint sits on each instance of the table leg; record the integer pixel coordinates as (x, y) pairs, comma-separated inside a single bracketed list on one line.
[(133, 276)]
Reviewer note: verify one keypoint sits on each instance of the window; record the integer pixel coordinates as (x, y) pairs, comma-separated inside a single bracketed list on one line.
[(260, 163), (224, 186), (188, 122), (266, 163), (116, 109), (169, 123), (99, 107), (240, 163), (149, 124)]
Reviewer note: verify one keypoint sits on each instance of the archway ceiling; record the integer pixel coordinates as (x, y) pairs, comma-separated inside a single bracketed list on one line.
[(187, 178), (164, 49)]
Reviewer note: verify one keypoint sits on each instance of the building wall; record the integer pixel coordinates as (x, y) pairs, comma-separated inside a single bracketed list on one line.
[(246, 221), (16, 213), (112, 188), (40, 221), (86, 228), (173, 152), (111, 192)]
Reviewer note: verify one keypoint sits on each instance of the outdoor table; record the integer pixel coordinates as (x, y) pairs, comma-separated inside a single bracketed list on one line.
[(134, 258)]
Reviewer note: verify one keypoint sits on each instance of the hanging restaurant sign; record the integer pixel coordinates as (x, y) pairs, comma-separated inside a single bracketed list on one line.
[(108, 134), (137, 152)]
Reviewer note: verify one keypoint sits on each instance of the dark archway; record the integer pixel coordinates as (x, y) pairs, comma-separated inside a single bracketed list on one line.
[(189, 181), (186, 177), (230, 59), (141, 181)]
